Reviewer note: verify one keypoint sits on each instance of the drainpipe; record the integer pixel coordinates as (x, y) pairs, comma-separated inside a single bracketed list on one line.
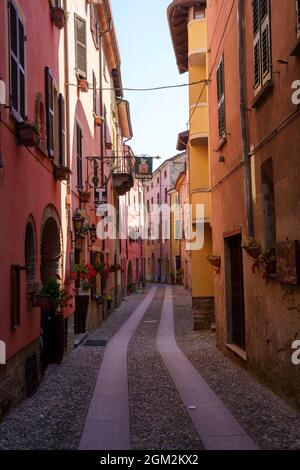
[(244, 119), (67, 101)]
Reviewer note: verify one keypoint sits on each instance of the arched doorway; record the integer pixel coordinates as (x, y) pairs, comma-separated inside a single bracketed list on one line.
[(52, 323), (129, 278), (153, 267), (51, 253)]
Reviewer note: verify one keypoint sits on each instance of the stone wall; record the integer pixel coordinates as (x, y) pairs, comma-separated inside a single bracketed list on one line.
[(13, 387), (203, 312)]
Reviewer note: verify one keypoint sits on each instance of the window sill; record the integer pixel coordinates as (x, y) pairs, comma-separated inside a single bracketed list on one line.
[(222, 142), (262, 94), (237, 351), (296, 48)]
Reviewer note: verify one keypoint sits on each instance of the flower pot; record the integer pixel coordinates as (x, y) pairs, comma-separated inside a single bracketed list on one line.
[(83, 85), (58, 17), (73, 276), (27, 134), (85, 196), (62, 173), (214, 261), (253, 251), (42, 301), (98, 120)]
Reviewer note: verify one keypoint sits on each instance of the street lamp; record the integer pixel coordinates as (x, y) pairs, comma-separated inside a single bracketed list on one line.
[(77, 221), (93, 233)]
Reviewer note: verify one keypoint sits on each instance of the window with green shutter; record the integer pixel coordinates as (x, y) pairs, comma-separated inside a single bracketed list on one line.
[(62, 130), (79, 157), (221, 99), (261, 43), (16, 63), (80, 47), (49, 102)]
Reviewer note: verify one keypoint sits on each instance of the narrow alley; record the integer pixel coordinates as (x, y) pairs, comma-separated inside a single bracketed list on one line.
[(146, 380)]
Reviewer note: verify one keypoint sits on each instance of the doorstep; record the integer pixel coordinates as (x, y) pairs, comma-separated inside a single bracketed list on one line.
[(80, 338)]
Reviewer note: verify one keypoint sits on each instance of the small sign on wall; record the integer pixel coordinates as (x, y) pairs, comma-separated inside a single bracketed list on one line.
[(288, 262)]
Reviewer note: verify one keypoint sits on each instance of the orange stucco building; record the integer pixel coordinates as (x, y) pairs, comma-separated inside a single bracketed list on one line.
[(255, 190)]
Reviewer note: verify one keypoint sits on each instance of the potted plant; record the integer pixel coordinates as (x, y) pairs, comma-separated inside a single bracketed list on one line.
[(27, 134), (172, 277), (85, 196), (52, 296), (86, 285), (179, 276), (268, 264), (109, 301), (58, 17), (83, 85), (252, 248), (62, 173), (215, 261), (98, 120)]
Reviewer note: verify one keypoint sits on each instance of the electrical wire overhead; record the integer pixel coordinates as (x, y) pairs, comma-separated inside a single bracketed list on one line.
[(158, 88)]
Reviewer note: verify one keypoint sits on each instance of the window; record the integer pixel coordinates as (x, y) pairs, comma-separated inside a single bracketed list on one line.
[(221, 99), (148, 206), (79, 157), (166, 195), (16, 63), (158, 198), (298, 16), (62, 130), (30, 254), (261, 43), (268, 195), (157, 180), (49, 100), (94, 93), (166, 174), (80, 46)]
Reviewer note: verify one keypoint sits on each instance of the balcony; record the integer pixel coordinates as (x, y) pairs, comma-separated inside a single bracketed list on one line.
[(197, 43), (122, 175), (199, 125), (202, 197)]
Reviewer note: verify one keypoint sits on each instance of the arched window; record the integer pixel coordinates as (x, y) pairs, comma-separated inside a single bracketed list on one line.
[(30, 253)]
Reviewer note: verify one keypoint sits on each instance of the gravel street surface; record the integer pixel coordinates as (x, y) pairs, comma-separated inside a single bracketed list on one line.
[(54, 417), (270, 421), (158, 417)]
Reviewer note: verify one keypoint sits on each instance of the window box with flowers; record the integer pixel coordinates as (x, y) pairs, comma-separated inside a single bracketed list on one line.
[(268, 264), (27, 134), (215, 261), (85, 196), (58, 15), (62, 173), (252, 248), (52, 296)]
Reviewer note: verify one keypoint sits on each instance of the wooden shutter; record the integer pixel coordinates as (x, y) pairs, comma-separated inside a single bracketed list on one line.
[(261, 42), (15, 300), (80, 46), (79, 156), (49, 101), (94, 93), (17, 63), (221, 99), (298, 15), (62, 130)]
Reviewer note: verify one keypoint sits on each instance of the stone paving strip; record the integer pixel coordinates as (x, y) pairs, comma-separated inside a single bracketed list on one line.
[(54, 417), (269, 420), (158, 418), (107, 425), (217, 427)]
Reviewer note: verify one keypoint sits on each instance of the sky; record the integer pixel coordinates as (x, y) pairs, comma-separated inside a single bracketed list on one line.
[(148, 60)]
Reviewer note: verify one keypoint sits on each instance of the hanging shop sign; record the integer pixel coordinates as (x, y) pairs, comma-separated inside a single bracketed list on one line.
[(143, 167)]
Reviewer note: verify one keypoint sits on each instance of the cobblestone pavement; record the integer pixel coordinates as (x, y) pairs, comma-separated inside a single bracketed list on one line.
[(158, 417), (270, 422), (54, 417)]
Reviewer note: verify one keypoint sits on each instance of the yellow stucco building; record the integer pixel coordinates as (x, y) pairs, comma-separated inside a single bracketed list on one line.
[(188, 26)]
